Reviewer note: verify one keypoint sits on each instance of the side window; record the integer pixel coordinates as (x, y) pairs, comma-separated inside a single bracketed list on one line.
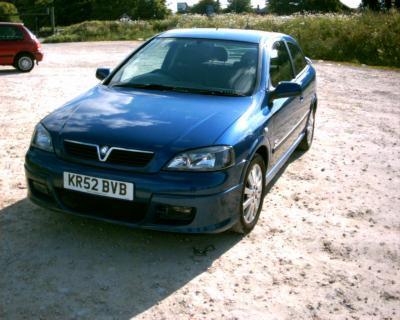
[(10, 33), (298, 57), (280, 67)]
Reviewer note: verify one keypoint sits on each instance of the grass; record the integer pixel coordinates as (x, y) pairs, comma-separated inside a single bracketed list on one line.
[(368, 38)]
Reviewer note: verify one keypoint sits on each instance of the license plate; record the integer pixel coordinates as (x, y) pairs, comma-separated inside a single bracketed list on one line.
[(98, 186)]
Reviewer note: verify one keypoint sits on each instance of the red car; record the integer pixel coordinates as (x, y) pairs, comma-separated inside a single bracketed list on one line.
[(18, 47)]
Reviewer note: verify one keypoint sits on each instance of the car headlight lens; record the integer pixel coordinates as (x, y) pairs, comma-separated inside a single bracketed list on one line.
[(205, 159), (41, 139)]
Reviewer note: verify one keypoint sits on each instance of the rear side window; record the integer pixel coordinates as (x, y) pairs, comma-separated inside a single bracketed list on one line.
[(280, 67), (10, 33), (298, 57)]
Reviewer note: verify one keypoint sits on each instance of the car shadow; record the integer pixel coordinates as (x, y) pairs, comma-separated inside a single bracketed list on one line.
[(6, 72), (60, 266), (56, 265)]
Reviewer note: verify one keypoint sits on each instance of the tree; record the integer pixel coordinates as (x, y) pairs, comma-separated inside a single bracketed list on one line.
[(138, 9), (111, 10), (201, 6), (371, 4), (8, 12), (149, 9), (387, 4), (239, 6), (321, 6), (286, 7), (283, 7), (67, 12)]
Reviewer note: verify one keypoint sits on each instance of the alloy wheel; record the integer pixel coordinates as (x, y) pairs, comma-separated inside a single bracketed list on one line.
[(310, 128), (252, 194)]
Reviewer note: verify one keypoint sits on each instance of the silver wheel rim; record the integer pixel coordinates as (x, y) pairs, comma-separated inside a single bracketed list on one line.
[(310, 128), (252, 194), (25, 63)]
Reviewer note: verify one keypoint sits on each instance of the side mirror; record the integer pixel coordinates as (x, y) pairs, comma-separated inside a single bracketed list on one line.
[(102, 73), (285, 89)]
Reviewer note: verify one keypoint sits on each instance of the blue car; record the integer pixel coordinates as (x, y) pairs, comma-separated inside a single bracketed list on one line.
[(184, 135)]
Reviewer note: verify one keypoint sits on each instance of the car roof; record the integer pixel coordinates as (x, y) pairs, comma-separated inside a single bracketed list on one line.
[(11, 24), (254, 36)]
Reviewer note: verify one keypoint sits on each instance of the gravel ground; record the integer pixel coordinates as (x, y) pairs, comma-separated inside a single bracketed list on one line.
[(327, 245)]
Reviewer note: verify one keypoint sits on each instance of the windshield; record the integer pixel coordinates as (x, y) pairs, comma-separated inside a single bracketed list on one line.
[(192, 65)]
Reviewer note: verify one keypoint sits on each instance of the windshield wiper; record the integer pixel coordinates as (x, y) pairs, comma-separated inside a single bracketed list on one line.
[(150, 86), (215, 92), (153, 86)]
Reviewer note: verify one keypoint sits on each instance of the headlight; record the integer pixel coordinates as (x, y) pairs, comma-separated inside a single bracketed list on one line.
[(41, 139), (205, 159)]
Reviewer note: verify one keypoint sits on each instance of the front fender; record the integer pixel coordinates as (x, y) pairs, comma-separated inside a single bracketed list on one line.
[(262, 143)]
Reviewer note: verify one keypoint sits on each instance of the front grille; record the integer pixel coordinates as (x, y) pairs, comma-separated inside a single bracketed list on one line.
[(130, 158), (117, 156), (81, 150), (103, 207)]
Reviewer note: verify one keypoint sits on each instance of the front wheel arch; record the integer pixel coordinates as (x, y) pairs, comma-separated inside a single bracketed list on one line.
[(242, 226), (19, 55), (259, 147)]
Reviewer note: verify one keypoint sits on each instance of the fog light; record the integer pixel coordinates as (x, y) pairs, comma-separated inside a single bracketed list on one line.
[(40, 187), (183, 210), (175, 215)]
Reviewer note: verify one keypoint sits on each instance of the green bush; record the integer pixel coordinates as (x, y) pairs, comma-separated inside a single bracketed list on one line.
[(8, 12), (103, 30), (369, 38)]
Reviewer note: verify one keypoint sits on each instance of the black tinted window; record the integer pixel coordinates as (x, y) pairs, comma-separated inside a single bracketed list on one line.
[(280, 66), (298, 58), (10, 33)]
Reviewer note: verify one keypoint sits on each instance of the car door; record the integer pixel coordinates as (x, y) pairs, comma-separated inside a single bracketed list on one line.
[(286, 112), (11, 38), (304, 77)]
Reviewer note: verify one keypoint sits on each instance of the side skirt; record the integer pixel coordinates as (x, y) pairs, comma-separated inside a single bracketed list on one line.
[(275, 169)]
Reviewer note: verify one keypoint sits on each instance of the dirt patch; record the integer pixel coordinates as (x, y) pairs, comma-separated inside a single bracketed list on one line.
[(327, 245)]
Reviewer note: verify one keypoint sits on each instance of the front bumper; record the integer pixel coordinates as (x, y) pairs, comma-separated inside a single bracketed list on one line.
[(39, 56), (214, 197)]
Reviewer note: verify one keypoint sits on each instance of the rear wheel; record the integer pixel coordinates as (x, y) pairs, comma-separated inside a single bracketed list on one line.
[(306, 143), (252, 196), (24, 63)]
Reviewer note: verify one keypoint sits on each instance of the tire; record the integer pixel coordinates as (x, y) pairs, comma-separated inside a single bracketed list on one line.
[(306, 143), (24, 63), (252, 196)]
